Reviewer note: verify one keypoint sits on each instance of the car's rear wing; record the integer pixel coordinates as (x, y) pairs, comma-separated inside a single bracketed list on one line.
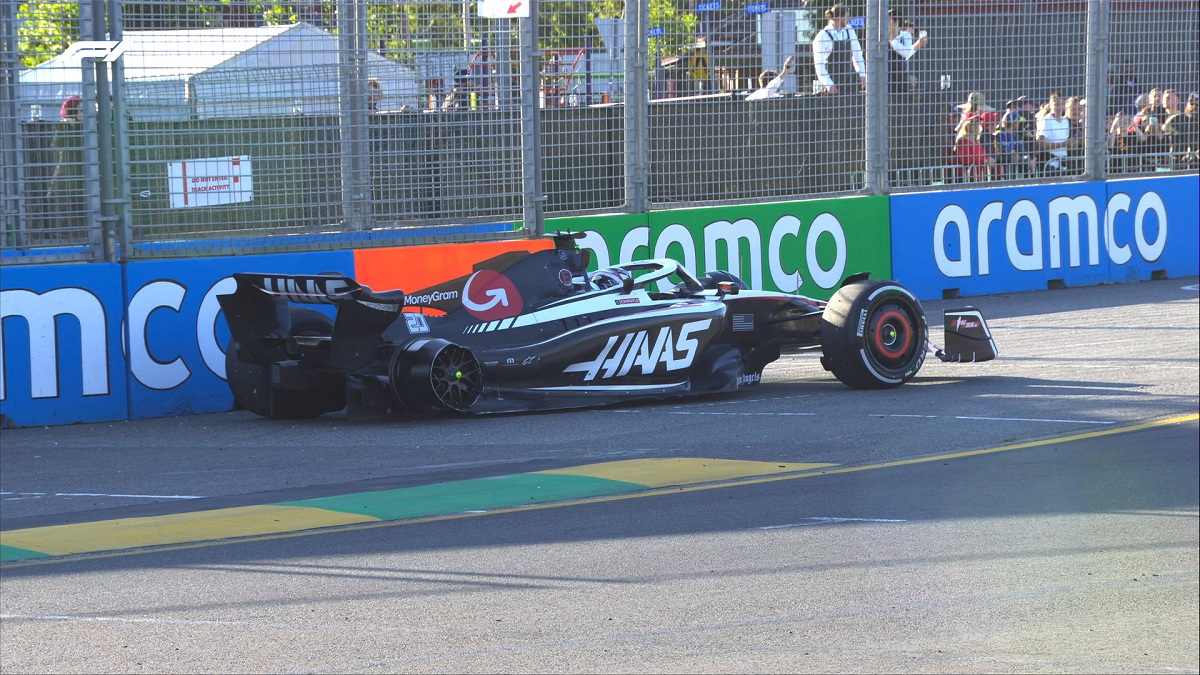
[(968, 339), (258, 311), (324, 289)]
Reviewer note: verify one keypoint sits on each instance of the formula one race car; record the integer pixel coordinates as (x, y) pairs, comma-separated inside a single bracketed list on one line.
[(537, 331)]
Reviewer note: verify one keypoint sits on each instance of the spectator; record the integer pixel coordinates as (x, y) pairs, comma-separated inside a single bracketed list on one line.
[(902, 48), (770, 84), (1123, 143), (968, 153), (1054, 135), (1156, 101), (1073, 111), (1147, 129), (975, 106), (71, 109), (1023, 121), (1122, 85), (459, 96), (374, 94), (837, 54), (1011, 149), (1170, 101), (1183, 132), (1029, 107), (987, 138)]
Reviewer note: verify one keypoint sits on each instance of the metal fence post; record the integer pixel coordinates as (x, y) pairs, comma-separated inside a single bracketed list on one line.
[(876, 160), (353, 121), (534, 196), (89, 26), (120, 196), (12, 174), (1095, 151), (91, 154), (107, 219), (637, 111)]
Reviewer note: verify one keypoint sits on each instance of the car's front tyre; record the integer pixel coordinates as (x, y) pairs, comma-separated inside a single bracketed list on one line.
[(873, 335)]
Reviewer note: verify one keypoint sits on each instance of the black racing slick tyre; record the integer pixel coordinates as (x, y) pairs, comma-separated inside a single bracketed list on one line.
[(248, 372), (873, 335)]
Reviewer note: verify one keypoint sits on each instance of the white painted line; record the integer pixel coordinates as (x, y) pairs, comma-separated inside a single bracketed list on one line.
[(101, 494), (817, 520), (1193, 287), (39, 495), (121, 619), (989, 419), (744, 414), (727, 402), (910, 416), (1028, 419), (993, 325)]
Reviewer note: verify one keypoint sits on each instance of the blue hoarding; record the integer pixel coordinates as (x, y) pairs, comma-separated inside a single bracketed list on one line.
[(1031, 237), (60, 338), (177, 335)]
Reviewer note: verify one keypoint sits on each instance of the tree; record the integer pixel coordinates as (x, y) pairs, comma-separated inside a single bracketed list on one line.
[(45, 30)]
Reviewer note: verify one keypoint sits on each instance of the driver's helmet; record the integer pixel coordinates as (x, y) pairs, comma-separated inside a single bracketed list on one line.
[(611, 277)]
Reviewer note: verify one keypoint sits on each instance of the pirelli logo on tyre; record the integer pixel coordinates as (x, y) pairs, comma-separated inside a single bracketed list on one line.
[(862, 323)]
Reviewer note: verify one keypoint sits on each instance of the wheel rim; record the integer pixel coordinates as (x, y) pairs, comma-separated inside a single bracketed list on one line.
[(455, 377), (891, 336)]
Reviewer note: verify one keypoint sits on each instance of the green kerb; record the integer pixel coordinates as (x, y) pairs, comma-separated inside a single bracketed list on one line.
[(470, 495), (10, 553)]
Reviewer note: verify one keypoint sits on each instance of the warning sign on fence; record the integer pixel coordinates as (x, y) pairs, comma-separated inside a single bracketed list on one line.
[(210, 182)]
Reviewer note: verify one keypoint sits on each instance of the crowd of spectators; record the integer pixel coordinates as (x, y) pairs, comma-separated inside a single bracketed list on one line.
[(1046, 138)]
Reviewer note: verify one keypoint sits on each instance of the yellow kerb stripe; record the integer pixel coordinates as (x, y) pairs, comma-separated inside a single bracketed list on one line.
[(682, 470), (108, 535)]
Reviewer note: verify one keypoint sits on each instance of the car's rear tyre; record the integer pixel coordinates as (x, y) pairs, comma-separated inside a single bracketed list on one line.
[(432, 375), (873, 335), (248, 372)]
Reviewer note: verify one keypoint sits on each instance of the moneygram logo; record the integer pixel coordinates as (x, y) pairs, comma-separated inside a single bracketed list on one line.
[(644, 350), (430, 298)]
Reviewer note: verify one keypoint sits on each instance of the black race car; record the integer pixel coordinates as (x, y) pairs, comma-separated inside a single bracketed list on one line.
[(537, 331)]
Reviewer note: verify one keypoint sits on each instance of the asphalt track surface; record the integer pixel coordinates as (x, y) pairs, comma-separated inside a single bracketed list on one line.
[(1034, 514)]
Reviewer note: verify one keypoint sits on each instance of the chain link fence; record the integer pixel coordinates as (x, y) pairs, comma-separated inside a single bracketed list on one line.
[(192, 127)]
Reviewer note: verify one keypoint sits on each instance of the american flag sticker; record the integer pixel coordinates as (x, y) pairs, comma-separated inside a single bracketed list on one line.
[(743, 322)]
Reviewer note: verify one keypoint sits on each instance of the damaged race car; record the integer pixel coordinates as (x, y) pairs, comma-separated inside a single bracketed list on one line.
[(537, 331)]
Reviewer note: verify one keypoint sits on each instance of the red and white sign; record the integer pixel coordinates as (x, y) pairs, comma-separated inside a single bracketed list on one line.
[(489, 296), (210, 182), (503, 9)]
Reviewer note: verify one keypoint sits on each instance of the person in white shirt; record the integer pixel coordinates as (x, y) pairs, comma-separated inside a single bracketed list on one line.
[(1053, 132), (771, 89), (837, 54), (902, 48)]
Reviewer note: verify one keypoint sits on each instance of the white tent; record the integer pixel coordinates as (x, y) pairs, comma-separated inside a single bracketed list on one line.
[(219, 73)]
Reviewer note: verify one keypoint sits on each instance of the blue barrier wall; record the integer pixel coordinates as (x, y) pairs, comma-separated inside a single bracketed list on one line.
[(176, 342), (1137, 207), (1025, 238), (64, 354), (60, 332)]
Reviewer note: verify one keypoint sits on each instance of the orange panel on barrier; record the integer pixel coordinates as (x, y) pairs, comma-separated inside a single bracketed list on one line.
[(412, 268)]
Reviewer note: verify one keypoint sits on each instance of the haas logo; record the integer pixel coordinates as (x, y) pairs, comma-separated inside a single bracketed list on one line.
[(624, 352), (961, 323), (489, 296)]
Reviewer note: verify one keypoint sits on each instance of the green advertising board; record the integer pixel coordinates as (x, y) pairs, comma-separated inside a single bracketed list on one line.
[(806, 247)]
